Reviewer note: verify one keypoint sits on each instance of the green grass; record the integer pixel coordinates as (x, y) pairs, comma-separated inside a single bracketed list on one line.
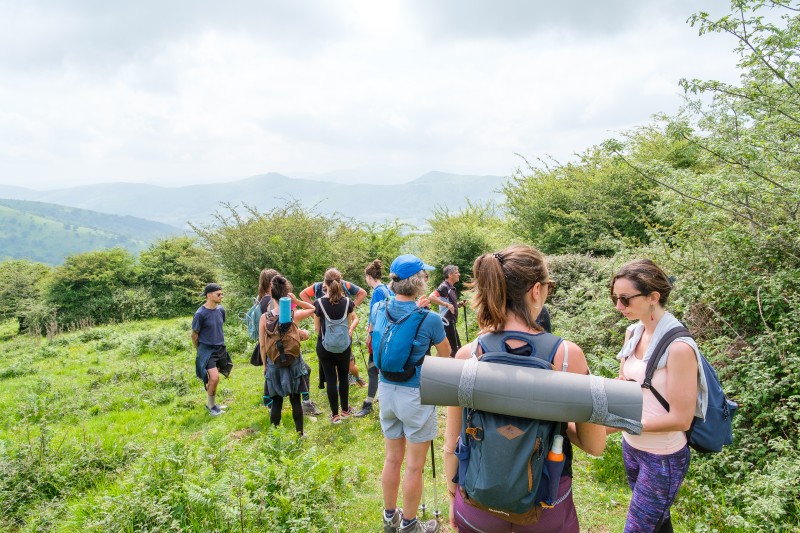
[(105, 430)]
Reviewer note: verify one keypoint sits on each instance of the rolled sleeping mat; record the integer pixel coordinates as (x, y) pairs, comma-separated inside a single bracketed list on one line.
[(532, 392)]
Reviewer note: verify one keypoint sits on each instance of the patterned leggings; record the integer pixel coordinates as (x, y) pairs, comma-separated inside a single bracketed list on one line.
[(654, 480)]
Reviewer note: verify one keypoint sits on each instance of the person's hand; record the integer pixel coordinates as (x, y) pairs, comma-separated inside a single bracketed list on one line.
[(462, 303), (451, 308), (423, 301), (452, 514), (304, 334)]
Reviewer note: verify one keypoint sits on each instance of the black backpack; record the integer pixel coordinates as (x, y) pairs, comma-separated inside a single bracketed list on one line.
[(713, 432)]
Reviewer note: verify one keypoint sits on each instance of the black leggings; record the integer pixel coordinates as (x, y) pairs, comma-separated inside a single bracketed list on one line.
[(297, 411), (334, 368)]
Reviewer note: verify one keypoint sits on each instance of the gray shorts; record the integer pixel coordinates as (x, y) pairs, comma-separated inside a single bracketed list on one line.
[(402, 414)]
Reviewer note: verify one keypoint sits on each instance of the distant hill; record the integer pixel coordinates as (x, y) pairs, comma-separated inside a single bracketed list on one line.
[(48, 233), (410, 202)]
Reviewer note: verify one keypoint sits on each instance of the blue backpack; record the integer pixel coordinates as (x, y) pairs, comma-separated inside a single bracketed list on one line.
[(715, 431), (393, 342), (501, 458), (252, 317)]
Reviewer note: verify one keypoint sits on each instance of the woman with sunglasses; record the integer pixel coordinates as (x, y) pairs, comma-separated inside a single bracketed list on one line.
[(657, 460), (511, 288)]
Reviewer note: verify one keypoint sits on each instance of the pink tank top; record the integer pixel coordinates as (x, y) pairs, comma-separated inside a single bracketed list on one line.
[(657, 442)]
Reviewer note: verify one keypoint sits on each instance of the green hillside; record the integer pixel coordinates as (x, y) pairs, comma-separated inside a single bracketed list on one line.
[(48, 233)]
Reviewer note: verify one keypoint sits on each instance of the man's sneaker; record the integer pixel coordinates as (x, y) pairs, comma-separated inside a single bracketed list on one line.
[(431, 526), (392, 525), (310, 408), (214, 411), (335, 419), (366, 408)]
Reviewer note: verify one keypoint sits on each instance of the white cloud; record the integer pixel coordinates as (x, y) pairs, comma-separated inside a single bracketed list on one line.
[(189, 92)]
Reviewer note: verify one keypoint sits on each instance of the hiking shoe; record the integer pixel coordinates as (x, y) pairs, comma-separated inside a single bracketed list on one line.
[(214, 411), (310, 408), (392, 525), (335, 419), (431, 526), (361, 383), (346, 414), (366, 408)]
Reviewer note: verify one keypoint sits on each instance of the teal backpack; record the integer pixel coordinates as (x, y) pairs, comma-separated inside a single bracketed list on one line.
[(253, 316), (501, 458)]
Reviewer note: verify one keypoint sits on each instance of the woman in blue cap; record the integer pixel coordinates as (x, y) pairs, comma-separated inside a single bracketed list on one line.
[(403, 331)]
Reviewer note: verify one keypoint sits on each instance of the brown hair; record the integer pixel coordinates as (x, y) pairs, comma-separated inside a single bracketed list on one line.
[(333, 284), (501, 280), (647, 277), (280, 287), (264, 281), (374, 270)]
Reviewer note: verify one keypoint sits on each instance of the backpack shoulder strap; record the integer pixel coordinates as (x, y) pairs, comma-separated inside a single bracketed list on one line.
[(655, 357)]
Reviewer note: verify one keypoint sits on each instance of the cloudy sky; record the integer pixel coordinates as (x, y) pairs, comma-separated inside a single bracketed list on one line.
[(191, 91)]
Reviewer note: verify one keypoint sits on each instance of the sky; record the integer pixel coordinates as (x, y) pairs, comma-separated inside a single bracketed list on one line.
[(198, 91)]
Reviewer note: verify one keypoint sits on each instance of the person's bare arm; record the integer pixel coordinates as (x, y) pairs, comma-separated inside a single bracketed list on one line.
[(195, 339), (681, 391), (589, 437)]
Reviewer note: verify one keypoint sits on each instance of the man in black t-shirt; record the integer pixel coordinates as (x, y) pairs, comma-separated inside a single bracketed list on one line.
[(447, 299)]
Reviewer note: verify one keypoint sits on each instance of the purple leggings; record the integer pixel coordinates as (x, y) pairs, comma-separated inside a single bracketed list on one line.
[(560, 519), (654, 480)]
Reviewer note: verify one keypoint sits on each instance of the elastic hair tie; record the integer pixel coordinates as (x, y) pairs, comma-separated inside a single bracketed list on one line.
[(499, 257), (672, 280)]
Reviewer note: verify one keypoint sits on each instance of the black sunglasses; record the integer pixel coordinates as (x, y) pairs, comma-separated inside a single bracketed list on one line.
[(626, 300)]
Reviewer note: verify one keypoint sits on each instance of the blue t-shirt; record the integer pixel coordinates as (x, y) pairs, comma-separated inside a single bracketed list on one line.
[(430, 332), (379, 293), (208, 324)]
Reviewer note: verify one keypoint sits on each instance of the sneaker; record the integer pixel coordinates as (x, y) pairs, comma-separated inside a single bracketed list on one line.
[(361, 383), (214, 411), (346, 414), (366, 408), (335, 419), (431, 526), (310, 408), (392, 525)]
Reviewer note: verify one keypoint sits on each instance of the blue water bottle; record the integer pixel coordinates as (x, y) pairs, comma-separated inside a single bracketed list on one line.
[(285, 310)]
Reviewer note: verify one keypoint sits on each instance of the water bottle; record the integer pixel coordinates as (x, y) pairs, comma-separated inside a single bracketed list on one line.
[(285, 310), (554, 465)]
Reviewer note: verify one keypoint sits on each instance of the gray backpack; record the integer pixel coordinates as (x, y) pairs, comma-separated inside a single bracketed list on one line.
[(336, 338)]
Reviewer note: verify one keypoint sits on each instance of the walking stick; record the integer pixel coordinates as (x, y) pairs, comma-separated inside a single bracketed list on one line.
[(466, 327), (436, 512)]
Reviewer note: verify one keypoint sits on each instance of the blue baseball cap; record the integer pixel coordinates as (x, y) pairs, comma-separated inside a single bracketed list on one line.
[(407, 265)]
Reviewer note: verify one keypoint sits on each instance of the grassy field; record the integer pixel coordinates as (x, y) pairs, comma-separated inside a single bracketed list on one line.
[(105, 429)]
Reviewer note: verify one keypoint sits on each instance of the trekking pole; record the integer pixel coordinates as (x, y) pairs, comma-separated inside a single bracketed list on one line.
[(361, 348), (436, 512), (466, 327)]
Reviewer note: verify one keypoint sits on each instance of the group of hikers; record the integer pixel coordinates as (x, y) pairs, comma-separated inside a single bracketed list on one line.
[(509, 290)]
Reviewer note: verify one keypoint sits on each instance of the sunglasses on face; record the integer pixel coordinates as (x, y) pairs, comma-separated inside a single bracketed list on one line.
[(626, 300), (551, 287)]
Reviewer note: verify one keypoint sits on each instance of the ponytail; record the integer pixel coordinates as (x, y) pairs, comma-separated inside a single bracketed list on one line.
[(333, 283)]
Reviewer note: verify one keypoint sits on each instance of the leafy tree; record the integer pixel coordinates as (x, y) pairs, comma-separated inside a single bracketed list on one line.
[(21, 288), (174, 271), (83, 288), (590, 206), (458, 238), (733, 240)]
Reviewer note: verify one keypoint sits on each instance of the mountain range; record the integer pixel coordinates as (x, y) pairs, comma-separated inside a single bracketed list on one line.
[(410, 202), (48, 225)]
